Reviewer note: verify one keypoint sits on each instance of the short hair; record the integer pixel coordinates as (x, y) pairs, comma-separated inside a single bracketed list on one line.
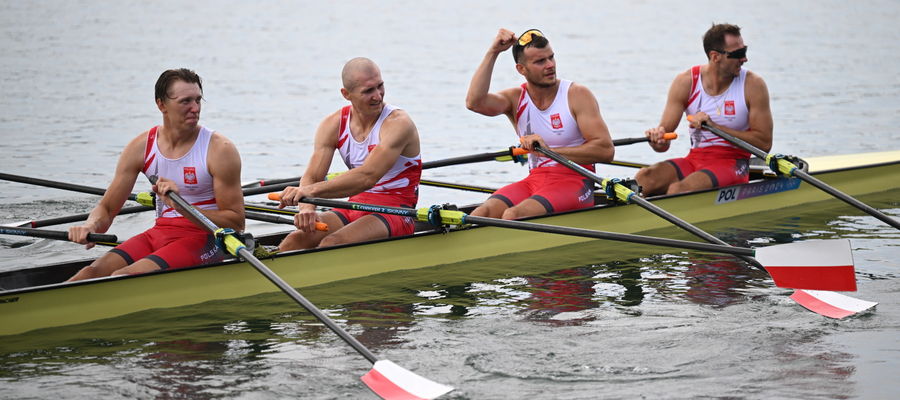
[(168, 77), (714, 38), (536, 41), (354, 67)]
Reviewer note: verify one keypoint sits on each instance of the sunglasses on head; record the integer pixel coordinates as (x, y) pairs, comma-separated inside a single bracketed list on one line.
[(736, 54), (528, 36)]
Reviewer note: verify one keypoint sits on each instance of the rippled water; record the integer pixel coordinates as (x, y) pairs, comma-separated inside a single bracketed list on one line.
[(589, 321)]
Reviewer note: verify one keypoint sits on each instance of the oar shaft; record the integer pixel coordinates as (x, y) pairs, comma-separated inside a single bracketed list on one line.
[(81, 217), (807, 177), (271, 276), (645, 204), (622, 237), (56, 235)]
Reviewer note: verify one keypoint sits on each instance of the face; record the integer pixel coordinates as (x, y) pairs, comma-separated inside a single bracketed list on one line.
[(182, 103), (732, 65), (538, 66), (368, 93)]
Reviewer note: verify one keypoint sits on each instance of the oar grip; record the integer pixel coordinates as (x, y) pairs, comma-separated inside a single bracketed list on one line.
[(274, 196), (670, 136), (101, 237)]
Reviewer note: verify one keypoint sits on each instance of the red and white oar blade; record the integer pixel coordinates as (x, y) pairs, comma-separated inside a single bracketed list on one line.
[(811, 264), (831, 304), (393, 382)]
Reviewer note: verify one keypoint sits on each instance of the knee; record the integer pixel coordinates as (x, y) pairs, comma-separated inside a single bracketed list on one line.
[(294, 241), (333, 239), (511, 213), (675, 188)]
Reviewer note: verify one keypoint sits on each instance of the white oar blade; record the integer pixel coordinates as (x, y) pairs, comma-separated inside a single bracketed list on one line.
[(811, 264), (393, 382), (831, 304)]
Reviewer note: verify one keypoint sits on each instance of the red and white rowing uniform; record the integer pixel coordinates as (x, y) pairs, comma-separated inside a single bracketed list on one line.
[(724, 163), (555, 186), (175, 241), (399, 187)]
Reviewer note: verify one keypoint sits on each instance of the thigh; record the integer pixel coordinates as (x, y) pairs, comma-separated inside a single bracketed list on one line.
[(335, 219), (527, 208), (187, 250), (564, 193), (369, 227), (726, 172)]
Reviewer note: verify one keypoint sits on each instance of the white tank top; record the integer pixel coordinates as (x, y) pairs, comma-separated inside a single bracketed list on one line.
[(189, 172), (401, 179), (728, 109), (556, 125)]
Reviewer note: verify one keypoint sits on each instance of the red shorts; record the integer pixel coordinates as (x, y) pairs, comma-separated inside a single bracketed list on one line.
[(172, 243), (725, 166), (396, 225), (557, 188)]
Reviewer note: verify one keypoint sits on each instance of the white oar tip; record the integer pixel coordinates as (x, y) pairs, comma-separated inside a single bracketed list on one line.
[(393, 382), (831, 304)]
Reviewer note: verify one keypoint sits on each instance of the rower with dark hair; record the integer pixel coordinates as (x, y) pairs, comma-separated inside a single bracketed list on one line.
[(726, 96), (547, 111), (192, 160)]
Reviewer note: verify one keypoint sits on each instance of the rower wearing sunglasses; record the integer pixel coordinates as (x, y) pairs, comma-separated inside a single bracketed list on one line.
[(547, 111), (723, 94)]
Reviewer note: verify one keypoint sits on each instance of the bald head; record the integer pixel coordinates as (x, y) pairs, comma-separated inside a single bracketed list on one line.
[(356, 70)]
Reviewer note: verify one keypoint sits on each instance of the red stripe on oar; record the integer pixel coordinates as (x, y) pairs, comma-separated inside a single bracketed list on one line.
[(840, 278), (383, 387), (832, 305)]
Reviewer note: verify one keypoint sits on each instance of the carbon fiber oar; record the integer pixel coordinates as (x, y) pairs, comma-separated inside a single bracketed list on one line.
[(99, 238), (785, 167), (812, 264), (388, 380)]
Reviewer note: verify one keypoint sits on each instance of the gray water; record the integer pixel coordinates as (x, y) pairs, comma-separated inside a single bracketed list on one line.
[(77, 79)]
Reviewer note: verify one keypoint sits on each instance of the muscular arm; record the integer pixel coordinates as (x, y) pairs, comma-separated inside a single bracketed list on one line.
[(398, 136), (127, 169), (679, 93), (598, 146), (478, 98), (224, 163)]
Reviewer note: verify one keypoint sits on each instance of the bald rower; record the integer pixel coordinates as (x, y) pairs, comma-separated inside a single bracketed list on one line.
[(379, 144)]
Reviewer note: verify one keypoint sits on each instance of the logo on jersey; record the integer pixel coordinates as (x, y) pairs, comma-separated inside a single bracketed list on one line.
[(372, 146), (729, 107), (556, 121), (190, 175)]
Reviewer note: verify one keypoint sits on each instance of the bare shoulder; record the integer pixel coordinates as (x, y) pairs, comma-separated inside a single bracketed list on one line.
[(332, 120), (754, 79), (219, 142), (399, 120), (683, 79), (577, 90)]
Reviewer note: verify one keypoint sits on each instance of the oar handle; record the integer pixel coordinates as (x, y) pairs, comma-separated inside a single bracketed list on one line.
[(622, 142), (56, 235)]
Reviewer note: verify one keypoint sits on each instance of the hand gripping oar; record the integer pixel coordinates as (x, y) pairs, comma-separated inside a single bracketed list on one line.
[(103, 239), (617, 191), (780, 165), (812, 264), (388, 380)]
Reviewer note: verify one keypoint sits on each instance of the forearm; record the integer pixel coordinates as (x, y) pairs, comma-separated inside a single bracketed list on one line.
[(344, 185), (757, 138)]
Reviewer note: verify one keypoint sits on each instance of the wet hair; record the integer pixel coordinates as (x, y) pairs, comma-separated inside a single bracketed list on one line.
[(536, 41), (167, 78), (714, 38)]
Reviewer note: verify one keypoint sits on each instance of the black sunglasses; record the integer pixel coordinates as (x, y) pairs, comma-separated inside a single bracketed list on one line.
[(736, 54)]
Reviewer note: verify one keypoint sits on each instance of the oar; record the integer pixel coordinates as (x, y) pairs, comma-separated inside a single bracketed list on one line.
[(104, 239), (615, 190), (812, 264), (621, 142), (388, 380), (780, 165), (74, 218)]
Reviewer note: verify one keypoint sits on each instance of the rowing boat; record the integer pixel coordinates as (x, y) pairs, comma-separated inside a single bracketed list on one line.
[(37, 298)]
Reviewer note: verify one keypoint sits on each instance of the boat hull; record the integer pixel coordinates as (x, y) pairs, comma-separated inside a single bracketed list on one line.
[(27, 309)]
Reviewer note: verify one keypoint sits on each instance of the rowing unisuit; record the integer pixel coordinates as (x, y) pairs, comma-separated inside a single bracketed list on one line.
[(189, 172), (398, 187)]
